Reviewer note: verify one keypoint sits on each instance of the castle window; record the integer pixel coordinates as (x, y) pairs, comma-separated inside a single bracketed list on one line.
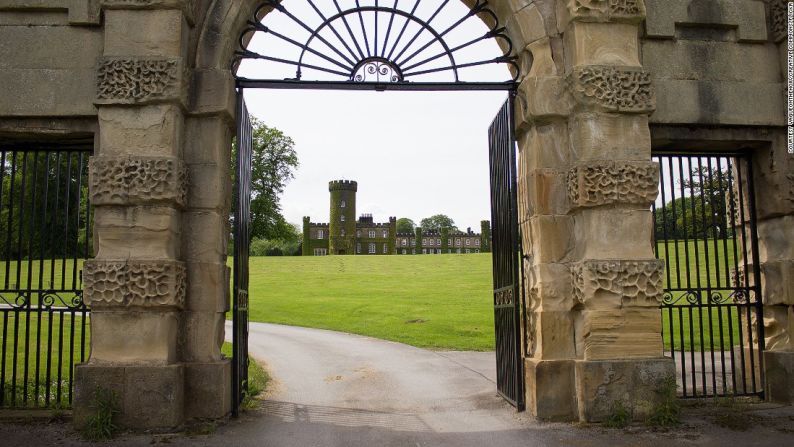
[(424, 251), (358, 248), (405, 251), (468, 241), (320, 234), (405, 242), (342, 217), (476, 242), (457, 242), (343, 231), (372, 248), (385, 249), (385, 233), (372, 234), (424, 241), (320, 251), (468, 251), (358, 233), (438, 241), (449, 241), (342, 204), (477, 250)]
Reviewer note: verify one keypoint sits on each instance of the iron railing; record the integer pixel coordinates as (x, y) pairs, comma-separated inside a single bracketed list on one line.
[(705, 231), (45, 234)]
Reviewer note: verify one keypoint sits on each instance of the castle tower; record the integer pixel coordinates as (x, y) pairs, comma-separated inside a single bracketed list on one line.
[(342, 226)]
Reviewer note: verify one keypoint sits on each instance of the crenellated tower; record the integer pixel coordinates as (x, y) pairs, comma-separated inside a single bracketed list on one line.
[(342, 226)]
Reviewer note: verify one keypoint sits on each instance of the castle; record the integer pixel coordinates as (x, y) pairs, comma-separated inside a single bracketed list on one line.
[(346, 235)]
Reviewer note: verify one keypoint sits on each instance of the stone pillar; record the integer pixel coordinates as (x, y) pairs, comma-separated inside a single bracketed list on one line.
[(149, 340), (774, 171), (587, 183)]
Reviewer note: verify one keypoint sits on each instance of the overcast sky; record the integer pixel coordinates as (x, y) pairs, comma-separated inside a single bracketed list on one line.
[(414, 154)]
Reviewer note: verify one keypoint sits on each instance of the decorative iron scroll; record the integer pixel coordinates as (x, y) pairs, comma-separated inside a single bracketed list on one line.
[(48, 299), (371, 41)]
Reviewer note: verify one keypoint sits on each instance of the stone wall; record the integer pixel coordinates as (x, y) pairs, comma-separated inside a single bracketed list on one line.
[(719, 69)]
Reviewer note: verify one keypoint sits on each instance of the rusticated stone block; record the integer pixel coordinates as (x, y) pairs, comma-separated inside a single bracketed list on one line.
[(159, 284), (619, 282), (778, 327), (148, 397), (550, 389), (632, 11), (779, 376), (137, 181), (619, 333), (139, 80), (777, 283), (613, 89), (601, 44), (614, 182), (748, 17), (550, 335), (187, 6), (637, 384), (128, 336), (597, 136), (137, 232), (208, 393)]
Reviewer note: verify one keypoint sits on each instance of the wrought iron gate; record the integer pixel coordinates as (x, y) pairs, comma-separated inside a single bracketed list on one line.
[(242, 218), (45, 235), (506, 257), (705, 230)]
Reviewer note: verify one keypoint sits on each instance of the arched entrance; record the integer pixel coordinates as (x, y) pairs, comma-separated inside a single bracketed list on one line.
[(378, 48), (165, 92)]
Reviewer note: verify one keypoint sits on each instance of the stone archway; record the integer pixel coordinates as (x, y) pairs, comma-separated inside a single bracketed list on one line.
[(166, 112)]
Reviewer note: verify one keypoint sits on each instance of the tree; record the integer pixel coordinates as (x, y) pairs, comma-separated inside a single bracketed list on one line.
[(405, 225), (273, 162), (437, 222), (703, 213)]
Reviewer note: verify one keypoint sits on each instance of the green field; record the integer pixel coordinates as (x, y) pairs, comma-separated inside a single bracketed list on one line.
[(438, 302)]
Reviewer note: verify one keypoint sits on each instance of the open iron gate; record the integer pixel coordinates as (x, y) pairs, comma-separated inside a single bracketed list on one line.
[(506, 257), (242, 221)]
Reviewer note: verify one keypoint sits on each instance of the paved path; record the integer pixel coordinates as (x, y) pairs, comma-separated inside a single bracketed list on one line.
[(334, 389)]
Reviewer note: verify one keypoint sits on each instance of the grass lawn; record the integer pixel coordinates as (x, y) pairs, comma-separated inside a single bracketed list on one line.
[(438, 301)]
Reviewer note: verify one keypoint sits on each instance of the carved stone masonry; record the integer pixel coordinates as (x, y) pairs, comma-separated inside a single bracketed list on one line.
[(615, 182), (613, 89), (606, 9), (139, 80), (778, 19), (137, 180), (638, 282), (134, 283)]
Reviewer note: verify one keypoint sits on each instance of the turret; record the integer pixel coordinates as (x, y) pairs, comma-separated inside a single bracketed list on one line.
[(342, 227), (392, 235), (306, 244), (485, 236)]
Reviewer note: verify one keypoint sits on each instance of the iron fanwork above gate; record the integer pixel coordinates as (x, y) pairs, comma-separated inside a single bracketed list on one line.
[(372, 44)]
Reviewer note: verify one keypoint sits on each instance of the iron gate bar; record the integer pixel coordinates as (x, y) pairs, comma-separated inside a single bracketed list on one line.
[(721, 291)]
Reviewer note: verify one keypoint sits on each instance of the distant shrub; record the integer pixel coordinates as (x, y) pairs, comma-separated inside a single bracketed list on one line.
[(272, 247)]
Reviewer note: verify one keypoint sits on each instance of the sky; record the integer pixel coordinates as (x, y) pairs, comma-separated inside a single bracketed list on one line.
[(413, 154)]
